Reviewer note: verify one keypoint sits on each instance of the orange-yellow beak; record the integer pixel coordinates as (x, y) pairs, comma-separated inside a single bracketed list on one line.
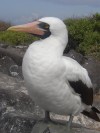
[(29, 28)]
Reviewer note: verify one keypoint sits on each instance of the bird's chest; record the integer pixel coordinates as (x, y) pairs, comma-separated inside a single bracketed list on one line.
[(41, 69)]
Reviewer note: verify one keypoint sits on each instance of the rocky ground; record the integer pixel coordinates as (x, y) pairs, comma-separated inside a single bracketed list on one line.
[(19, 114)]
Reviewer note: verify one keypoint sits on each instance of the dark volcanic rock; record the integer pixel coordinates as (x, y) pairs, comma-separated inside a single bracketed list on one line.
[(93, 67), (9, 67), (5, 64), (17, 110), (7, 82), (76, 56), (15, 100), (16, 107), (16, 123), (3, 45), (60, 128)]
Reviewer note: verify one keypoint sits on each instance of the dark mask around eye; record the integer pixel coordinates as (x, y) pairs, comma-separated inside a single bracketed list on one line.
[(46, 29), (43, 25), (46, 34)]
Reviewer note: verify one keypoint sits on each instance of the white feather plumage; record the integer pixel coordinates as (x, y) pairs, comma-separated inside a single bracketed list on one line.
[(46, 72)]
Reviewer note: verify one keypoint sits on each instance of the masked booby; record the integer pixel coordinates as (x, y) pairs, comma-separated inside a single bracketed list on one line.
[(57, 83)]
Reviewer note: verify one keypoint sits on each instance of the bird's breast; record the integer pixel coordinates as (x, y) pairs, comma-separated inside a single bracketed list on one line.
[(41, 68)]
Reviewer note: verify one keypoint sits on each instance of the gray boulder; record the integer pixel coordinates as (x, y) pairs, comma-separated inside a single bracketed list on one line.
[(76, 56), (19, 114), (16, 107), (93, 67)]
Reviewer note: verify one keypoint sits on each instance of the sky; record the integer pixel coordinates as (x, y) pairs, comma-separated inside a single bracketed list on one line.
[(23, 11)]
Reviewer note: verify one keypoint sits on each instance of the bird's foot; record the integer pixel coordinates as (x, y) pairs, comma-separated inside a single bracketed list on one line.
[(69, 129), (47, 120)]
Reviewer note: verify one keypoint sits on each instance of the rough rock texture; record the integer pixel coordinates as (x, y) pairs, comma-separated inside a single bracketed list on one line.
[(16, 107), (16, 123), (19, 114), (9, 67), (76, 56), (60, 128), (93, 67)]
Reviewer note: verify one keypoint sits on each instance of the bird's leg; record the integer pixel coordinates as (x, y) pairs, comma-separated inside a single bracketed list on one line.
[(47, 116), (70, 122)]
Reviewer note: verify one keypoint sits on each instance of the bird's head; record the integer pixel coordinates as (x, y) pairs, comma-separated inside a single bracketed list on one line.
[(43, 27)]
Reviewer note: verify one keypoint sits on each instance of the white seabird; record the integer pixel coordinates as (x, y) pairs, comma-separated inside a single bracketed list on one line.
[(57, 83)]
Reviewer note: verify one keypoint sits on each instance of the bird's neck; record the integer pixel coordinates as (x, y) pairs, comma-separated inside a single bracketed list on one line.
[(55, 45)]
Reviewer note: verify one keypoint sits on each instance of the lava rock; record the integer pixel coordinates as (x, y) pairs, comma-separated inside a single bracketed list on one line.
[(14, 54), (7, 82), (14, 100), (16, 123), (16, 112), (93, 67), (3, 45), (9, 67), (60, 127), (5, 64), (76, 56)]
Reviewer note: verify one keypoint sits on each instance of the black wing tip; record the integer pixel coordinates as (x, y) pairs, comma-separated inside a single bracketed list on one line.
[(95, 109), (85, 92), (92, 114)]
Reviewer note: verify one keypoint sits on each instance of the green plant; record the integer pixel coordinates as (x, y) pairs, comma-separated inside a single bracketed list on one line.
[(16, 38), (84, 34), (90, 44), (78, 28)]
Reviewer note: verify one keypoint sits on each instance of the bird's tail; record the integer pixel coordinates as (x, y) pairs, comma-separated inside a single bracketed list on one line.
[(92, 113)]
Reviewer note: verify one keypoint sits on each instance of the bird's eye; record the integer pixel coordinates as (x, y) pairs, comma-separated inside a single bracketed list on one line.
[(43, 25), (46, 26)]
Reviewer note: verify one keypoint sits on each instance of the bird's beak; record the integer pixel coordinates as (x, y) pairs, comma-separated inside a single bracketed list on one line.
[(31, 28)]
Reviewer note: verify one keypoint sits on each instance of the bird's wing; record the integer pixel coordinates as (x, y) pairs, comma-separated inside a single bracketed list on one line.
[(78, 79)]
